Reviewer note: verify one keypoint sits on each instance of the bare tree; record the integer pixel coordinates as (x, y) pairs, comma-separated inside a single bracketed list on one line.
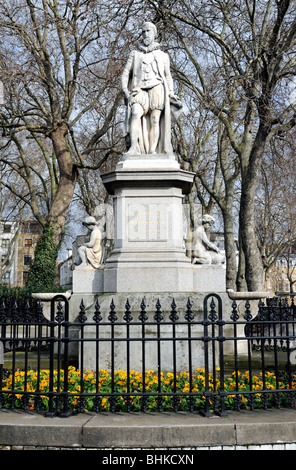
[(207, 151), (59, 64), (275, 216), (238, 57)]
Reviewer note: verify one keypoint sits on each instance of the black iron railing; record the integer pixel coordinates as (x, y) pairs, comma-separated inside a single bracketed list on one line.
[(207, 361)]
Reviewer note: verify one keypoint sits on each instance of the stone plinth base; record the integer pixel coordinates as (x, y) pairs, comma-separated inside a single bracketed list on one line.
[(209, 278), (129, 354), (136, 358), (133, 349), (149, 277), (88, 280), (163, 277)]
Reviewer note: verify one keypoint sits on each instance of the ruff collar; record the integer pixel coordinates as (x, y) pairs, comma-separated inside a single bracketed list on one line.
[(153, 47)]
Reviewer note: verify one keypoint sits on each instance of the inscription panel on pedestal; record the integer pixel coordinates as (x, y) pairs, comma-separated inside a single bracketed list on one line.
[(148, 222)]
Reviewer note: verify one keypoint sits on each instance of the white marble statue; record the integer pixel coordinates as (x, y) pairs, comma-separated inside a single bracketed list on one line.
[(92, 252), (204, 251), (151, 104)]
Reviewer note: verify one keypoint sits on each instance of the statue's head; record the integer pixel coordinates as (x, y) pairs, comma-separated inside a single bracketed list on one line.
[(149, 33), (208, 220)]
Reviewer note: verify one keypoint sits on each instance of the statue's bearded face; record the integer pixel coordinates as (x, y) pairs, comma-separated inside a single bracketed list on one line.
[(148, 35)]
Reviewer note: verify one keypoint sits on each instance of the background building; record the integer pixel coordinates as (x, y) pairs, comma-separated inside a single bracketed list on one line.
[(66, 271), (8, 260), (17, 245), (282, 276)]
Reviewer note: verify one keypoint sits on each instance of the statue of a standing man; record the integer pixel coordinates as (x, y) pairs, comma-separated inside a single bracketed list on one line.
[(148, 89)]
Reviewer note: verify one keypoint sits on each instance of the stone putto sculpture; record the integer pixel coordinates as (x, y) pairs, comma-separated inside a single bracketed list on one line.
[(92, 252), (148, 89), (204, 251)]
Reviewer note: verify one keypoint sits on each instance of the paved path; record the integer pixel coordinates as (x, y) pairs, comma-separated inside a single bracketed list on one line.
[(153, 430)]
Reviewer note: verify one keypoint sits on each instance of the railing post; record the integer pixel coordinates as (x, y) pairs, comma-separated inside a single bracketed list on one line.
[(112, 318), (213, 319), (66, 411), (62, 321), (51, 412), (128, 318), (206, 340), (97, 318), (234, 317), (189, 317), (143, 318), (174, 317), (221, 340), (82, 318), (158, 317)]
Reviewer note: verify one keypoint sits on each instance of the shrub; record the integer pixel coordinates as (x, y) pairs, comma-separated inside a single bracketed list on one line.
[(43, 270)]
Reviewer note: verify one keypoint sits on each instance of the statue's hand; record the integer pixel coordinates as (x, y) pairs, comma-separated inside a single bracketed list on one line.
[(175, 100), (135, 91), (126, 94), (213, 247)]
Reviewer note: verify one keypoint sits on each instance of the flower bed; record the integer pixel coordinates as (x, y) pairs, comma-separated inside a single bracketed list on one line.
[(165, 392)]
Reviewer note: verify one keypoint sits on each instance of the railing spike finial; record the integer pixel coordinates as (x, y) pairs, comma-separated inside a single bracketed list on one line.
[(189, 315), (97, 315), (234, 314), (143, 317), (82, 316), (174, 315), (158, 317), (248, 315), (127, 316), (112, 315)]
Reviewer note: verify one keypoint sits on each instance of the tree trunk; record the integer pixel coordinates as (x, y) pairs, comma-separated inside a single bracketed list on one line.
[(43, 271), (67, 182), (254, 270), (241, 284), (230, 252)]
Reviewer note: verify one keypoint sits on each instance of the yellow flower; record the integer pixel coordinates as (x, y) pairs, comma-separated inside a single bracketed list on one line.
[(236, 373), (104, 402), (186, 388), (270, 386)]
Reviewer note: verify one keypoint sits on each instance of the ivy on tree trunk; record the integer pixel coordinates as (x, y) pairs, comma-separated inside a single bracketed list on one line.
[(42, 274)]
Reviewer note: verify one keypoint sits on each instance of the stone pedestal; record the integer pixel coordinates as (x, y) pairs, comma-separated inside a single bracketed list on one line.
[(149, 253), (149, 250), (148, 261)]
